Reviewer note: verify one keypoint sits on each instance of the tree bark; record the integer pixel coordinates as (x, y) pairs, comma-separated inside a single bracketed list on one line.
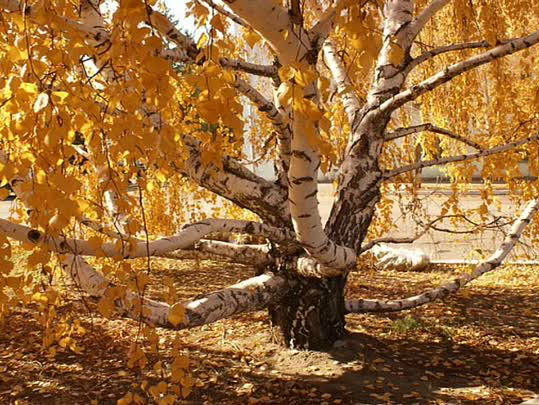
[(311, 314)]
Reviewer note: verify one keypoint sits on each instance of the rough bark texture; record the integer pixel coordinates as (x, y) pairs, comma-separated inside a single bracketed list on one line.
[(311, 315)]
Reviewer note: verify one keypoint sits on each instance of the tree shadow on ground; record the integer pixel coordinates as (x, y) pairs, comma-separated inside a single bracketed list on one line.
[(478, 347)]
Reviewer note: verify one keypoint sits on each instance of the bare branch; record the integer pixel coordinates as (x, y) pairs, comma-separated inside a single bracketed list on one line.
[(457, 69), (425, 56), (358, 306), (226, 13), (251, 68), (401, 132), (249, 295), (410, 239), (460, 158)]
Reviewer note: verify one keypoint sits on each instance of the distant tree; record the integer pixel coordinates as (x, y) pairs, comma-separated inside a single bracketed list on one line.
[(356, 86)]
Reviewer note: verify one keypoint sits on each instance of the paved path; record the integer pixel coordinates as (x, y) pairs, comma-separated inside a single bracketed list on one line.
[(438, 245)]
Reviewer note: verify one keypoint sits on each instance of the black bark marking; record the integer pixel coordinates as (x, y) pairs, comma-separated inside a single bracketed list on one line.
[(34, 236)]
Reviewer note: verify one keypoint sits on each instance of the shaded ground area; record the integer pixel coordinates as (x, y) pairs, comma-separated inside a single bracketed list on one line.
[(480, 346)]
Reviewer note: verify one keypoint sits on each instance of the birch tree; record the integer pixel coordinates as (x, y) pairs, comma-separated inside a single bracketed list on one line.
[(110, 115)]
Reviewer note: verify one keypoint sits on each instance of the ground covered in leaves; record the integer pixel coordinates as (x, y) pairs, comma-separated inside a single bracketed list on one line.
[(480, 346)]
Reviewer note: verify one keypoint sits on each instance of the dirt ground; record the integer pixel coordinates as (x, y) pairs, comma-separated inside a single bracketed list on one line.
[(480, 346)]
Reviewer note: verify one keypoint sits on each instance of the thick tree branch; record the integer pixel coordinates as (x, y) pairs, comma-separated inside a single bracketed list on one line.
[(255, 255), (344, 85), (302, 194), (459, 68), (189, 235), (271, 21), (460, 158), (358, 306), (251, 68), (249, 295), (401, 132), (423, 18)]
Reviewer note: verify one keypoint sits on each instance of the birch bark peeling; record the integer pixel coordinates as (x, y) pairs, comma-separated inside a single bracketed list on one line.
[(359, 306)]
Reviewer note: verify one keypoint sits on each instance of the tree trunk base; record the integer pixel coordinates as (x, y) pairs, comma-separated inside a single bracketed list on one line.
[(311, 315)]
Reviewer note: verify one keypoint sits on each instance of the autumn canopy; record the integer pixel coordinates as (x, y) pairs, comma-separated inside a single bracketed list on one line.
[(117, 129)]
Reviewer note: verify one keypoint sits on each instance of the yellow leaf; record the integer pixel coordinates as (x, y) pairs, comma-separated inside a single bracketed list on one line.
[(29, 88), (217, 23), (202, 41), (59, 96), (286, 73), (251, 38), (304, 77), (284, 93), (176, 314), (396, 54), (15, 55), (41, 176)]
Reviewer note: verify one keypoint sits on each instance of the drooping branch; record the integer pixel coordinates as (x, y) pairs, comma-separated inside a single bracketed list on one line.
[(358, 306), (344, 85), (423, 18), (401, 132), (460, 158), (457, 69), (249, 295), (189, 235)]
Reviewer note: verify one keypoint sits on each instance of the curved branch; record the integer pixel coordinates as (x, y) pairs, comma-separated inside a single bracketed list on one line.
[(422, 19), (271, 21), (359, 306), (460, 158), (457, 69), (401, 132), (186, 238), (249, 295), (302, 194)]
